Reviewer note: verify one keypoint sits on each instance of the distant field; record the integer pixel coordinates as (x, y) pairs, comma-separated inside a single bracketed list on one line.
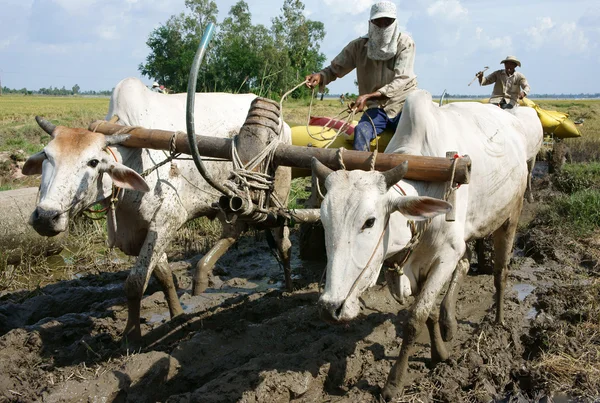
[(18, 129)]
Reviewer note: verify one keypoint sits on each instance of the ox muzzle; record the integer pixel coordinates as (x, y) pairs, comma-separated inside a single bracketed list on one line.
[(49, 221)]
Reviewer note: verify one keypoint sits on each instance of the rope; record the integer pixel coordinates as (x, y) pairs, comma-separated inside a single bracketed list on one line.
[(340, 157), (113, 198), (355, 284), (450, 189)]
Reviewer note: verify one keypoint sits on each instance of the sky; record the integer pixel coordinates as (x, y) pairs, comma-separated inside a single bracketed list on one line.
[(97, 43)]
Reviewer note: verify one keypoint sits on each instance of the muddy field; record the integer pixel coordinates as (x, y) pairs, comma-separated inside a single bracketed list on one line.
[(247, 340)]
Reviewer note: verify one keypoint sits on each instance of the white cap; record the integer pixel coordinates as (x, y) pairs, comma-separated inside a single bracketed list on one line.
[(384, 9), (155, 84)]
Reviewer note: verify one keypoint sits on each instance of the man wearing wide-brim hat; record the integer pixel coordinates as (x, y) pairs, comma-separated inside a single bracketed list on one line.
[(510, 85)]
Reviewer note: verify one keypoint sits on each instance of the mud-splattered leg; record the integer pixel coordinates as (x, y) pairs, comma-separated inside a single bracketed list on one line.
[(165, 278), (418, 315), (528, 190), (230, 234), (448, 307), (438, 348), (503, 245), (167, 220), (284, 247)]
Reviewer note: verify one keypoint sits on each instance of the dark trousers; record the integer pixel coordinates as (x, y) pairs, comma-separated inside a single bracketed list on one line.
[(363, 132), (504, 105)]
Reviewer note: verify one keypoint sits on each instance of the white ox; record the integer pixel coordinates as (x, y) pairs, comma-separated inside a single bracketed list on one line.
[(365, 217), (78, 170)]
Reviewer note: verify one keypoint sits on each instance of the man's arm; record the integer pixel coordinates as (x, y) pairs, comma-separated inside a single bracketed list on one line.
[(341, 65), (489, 79), (524, 87)]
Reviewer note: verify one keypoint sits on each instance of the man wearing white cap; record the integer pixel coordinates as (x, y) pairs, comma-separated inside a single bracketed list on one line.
[(510, 85), (384, 62)]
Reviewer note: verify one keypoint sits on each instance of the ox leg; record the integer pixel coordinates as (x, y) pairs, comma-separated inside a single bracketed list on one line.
[(448, 307), (418, 315), (528, 191), (165, 278), (164, 225), (438, 348), (503, 245), (230, 234), (284, 247)]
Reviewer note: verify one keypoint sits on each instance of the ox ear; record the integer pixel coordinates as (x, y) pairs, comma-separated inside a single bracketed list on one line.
[(126, 178), (395, 175), (421, 207), (319, 169), (33, 165)]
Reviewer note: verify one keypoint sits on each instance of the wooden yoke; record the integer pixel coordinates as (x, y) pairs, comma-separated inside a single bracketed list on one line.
[(431, 169)]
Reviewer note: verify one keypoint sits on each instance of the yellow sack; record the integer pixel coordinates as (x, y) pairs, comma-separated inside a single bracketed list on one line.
[(554, 122), (320, 136)]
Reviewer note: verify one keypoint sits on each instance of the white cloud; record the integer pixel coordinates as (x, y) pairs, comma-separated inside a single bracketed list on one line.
[(5, 43), (447, 10), (352, 7), (107, 32), (76, 7), (568, 36)]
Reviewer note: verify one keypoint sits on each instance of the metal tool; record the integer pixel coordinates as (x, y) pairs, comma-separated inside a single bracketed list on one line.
[(482, 71)]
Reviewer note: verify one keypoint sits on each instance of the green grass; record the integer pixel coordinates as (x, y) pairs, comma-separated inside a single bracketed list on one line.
[(19, 130), (577, 177), (577, 214)]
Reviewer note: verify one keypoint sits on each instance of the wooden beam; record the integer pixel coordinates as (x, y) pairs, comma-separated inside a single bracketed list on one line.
[(431, 169)]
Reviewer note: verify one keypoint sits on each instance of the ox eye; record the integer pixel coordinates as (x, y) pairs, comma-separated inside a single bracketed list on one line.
[(93, 163), (369, 223)]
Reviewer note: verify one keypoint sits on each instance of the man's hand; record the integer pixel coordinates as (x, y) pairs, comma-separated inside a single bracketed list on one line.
[(313, 80), (522, 95), (479, 76), (361, 102)]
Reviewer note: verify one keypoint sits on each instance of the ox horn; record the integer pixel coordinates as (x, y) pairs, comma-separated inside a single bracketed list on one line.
[(46, 125), (320, 170), (394, 175), (116, 139)]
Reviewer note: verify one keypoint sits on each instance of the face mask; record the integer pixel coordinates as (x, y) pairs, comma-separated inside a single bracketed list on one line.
[(383, 42)]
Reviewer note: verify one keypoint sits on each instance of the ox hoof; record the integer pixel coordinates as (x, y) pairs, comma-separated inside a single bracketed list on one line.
[(131, 339), (391, 392)]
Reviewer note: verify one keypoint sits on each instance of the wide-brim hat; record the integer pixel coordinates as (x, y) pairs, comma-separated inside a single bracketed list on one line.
[(383, 9), (511, 59)]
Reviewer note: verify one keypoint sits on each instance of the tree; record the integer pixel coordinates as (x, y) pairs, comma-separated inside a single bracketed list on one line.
[(174, 45), (76, 89), (242, 57), (300, 38), (245, 53)]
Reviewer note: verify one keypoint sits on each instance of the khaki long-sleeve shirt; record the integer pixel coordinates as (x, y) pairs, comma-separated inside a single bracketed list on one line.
[(394, 78), (505, 87)]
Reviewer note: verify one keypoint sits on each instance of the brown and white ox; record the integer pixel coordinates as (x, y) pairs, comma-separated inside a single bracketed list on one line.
[(79, 169), (365, 217)]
